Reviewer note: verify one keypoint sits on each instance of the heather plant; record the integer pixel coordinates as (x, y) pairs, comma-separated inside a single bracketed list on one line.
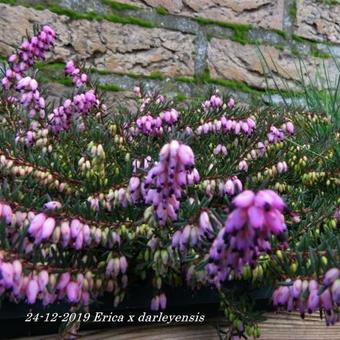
[(237, 198)]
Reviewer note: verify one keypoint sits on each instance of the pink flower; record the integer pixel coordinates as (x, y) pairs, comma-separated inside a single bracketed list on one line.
[(231, 103), (243, 165), (76, 227), (123, 264), (43, 279), (162, 301), (48, 228), (32, 291), (331, 276), (17, 269), (73, 291), (7, 273), (155, 304), (52, 205), (63, 280), (244, 199), (37, 223)]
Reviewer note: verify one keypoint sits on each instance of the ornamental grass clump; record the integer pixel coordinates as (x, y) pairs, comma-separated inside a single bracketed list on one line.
[(239, 199)]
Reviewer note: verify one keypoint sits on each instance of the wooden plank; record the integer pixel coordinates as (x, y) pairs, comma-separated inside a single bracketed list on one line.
[(281, 326)]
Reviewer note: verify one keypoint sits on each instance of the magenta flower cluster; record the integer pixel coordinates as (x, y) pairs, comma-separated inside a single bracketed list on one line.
[(38, 285), (43, 227), (310, 296), (192, 234), (228, 125), (79, 79), (154, 126), (246, 233), (30, 50), (72, 109), (277, 135), (230, 186), (30, 97), (41, 284), (214, 102), (158, 302), (165, 182)]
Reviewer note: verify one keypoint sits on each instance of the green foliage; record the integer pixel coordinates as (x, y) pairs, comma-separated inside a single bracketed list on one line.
[(309, 188), (32, 176), (318, 93)]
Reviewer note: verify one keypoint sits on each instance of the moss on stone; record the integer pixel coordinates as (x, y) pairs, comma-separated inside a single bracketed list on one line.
[(282, 34), (9, 2), (185, 79), (180, 97), (234, 85), (280, 47), (110, 87), (162, 11), (315, 52), (129, 20), (91, 16), (118, 6), (156, 75), (240, 31), (295, 52), (293, 10), (300, 39), (330, 2)]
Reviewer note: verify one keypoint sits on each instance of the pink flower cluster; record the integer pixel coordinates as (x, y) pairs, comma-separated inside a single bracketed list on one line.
[(116, 266), (79, 79), (226, 125), (6, 213), (30, 97), (158, 302), (135, 189), (80, 105), (74, 233), (231, 186), (165, 182), (246, 233), (191, 234), (276, 135), (282, 167), (48, 287), (141, 164), (154, 126), (30, 50), (220, 149), (44, 228), (214, 102), (37, 285), (148, 99), (305, 295)]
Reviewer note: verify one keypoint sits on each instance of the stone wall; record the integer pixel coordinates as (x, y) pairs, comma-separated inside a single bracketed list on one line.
[(184, 45)]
